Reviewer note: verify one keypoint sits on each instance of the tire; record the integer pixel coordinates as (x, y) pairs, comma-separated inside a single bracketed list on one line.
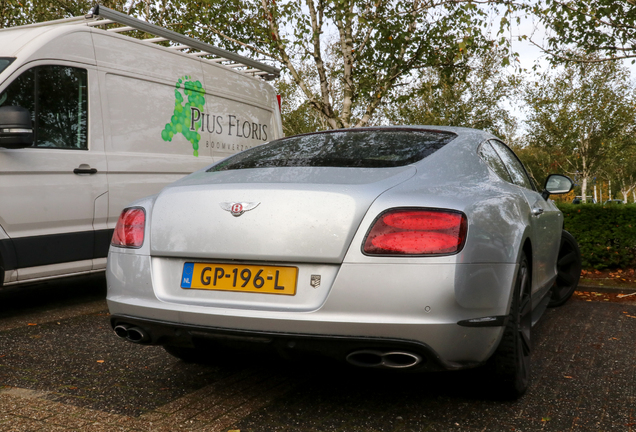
[(568, 270), (511, 361)]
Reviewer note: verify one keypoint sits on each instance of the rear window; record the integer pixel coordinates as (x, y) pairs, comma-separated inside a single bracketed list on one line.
[(361, 148)]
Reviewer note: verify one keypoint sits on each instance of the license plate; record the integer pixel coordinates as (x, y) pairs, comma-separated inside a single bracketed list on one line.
[(242, 278)]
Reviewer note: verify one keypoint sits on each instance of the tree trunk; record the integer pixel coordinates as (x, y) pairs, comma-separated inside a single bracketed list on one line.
[(584, 188)]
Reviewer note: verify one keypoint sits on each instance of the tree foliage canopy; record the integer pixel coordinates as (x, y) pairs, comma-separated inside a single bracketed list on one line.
[(578, 28), (473, 95), (357, 50), (582, 116)]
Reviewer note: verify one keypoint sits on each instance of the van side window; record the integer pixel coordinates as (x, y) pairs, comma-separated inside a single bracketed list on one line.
[(57, 98)]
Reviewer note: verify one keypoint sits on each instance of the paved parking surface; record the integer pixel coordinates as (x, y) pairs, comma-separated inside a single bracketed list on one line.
[(62, 369)]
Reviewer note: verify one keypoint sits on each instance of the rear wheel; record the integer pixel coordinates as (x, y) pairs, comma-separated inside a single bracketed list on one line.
[(511, 361), (568, 270)]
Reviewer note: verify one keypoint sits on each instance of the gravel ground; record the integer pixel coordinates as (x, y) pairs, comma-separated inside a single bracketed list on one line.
[(62, 369)]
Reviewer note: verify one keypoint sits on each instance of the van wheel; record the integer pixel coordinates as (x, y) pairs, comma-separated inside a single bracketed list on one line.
[(568, 270), (511, 361)]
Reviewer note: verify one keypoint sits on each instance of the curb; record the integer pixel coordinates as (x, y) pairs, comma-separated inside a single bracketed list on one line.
[(607, 289)]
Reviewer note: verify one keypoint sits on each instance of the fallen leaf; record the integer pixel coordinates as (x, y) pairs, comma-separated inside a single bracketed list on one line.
[(31, 324), (613, 339), (567, 376), (545, 419), (100, 361)]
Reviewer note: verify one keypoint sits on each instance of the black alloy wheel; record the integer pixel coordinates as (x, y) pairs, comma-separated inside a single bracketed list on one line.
[(568, 270), (511, 361)]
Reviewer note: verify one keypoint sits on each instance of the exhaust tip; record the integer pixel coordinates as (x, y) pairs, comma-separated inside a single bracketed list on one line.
[(384, 359), (398, 360), (365, 358), (137, 335), (121, 331)]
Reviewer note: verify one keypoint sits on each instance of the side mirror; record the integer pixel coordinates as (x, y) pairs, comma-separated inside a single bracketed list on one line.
[(557, 184), (16, 127)]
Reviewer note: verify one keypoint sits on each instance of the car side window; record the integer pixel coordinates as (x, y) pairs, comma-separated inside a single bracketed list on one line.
[(513, 164), (57, 97), (492, 159)]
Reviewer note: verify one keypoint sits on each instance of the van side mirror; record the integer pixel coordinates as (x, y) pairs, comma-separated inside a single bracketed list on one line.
[(557, 184), (16, 127)]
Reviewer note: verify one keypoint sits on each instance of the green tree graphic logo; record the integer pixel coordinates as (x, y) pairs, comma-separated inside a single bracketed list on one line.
[(181, 117)]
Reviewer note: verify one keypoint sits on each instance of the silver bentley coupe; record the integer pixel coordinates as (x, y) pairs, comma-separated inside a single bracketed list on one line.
[(412, 248)]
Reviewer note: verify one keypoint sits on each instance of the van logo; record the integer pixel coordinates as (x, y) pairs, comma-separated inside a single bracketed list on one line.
[(238, 208), (180, 122)]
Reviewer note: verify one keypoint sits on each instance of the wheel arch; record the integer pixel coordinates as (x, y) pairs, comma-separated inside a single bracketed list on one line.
[(8, 259), (527, 249)]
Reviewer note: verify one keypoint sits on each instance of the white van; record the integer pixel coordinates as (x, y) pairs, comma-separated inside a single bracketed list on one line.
[(91, 120)]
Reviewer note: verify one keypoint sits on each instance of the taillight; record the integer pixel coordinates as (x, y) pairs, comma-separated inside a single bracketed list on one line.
[(280, 103), (417, 232), (129, 231)]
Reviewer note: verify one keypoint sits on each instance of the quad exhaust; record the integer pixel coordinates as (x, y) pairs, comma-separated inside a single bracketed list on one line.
[(132, 334), (384, 359)]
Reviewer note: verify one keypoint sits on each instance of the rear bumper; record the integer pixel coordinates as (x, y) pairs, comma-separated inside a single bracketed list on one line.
[(288, 344), (414, 306)]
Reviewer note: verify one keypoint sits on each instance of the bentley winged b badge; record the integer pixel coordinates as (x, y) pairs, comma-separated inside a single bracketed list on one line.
[(238, 208)]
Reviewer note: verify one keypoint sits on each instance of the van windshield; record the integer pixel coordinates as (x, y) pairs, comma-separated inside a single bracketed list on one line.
[(362, 148), (4, 62)]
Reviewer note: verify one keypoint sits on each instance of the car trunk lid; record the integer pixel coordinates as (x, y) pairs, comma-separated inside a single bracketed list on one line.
[(298, 215)]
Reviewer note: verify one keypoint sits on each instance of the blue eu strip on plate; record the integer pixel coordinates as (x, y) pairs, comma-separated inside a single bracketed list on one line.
[(186, 278)]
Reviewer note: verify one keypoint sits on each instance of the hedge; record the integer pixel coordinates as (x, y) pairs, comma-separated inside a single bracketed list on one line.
[(606, 234)]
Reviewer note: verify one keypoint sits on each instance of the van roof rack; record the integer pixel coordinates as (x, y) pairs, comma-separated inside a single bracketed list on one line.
[(197, 48)]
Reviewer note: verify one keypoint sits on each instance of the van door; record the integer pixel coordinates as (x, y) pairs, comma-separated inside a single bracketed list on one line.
[(50, 192)]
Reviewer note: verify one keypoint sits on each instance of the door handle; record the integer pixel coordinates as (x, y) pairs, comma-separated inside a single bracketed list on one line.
[(85, 169), (537, 211)]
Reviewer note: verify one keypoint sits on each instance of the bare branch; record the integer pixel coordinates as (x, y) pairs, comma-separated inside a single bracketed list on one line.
[(578, 58), (243, 44)]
